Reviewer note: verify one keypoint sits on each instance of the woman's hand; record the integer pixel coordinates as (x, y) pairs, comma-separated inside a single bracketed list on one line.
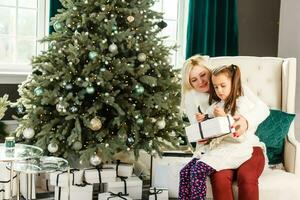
[(200, 117), (240, 125), (219, 112)]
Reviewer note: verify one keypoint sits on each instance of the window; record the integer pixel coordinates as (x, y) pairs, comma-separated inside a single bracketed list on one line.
[(175, 15), (22, 24)]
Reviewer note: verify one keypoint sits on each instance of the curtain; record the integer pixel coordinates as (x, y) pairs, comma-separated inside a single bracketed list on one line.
[(54, 5), (212, 28)]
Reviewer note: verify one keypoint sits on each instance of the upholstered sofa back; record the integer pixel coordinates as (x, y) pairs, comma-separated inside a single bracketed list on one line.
[(267, 77)]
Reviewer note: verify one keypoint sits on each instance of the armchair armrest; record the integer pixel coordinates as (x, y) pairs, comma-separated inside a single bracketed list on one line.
[(292, 153)]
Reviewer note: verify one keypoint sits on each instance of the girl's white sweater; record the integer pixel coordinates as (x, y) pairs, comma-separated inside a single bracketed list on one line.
[(231, 152)]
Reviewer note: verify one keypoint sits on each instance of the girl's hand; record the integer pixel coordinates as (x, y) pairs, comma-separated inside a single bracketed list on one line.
[(240, 125), (219, 112), (200, 117), (205, 141)]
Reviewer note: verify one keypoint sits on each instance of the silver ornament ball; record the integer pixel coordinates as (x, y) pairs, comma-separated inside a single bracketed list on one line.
[(28, 133), (95, 160), (113, 48), (161, 124), (52, 147)]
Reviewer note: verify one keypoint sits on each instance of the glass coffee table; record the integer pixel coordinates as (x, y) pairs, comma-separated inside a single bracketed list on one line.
[(17, 153), (37, 165)]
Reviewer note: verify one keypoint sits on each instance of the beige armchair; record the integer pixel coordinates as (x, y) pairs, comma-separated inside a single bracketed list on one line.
[(274, 81)]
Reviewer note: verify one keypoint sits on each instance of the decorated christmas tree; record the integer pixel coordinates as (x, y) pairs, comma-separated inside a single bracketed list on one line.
[(105, 85)]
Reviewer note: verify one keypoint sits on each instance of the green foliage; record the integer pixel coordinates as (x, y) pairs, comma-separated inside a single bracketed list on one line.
[(128, 92)]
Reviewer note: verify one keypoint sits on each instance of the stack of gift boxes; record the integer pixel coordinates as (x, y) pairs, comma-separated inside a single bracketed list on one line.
[(110, 181), (5, 182)]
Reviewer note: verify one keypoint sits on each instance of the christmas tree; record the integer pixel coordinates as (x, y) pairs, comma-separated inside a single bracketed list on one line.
[(105, 85)]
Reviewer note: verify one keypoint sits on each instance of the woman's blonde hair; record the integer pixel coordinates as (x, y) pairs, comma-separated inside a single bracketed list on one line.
[(189, 64)]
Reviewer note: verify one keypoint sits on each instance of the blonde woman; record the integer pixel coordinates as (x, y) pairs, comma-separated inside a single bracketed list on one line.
[(195, 95)]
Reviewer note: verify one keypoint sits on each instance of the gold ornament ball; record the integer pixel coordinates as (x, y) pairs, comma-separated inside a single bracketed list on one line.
[(130, 19), (95, 124), (142, 57)]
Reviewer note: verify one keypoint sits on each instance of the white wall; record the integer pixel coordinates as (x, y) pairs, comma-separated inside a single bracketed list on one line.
[(289, 44)]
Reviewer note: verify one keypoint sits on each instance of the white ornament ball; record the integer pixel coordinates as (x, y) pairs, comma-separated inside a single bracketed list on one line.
[(28, 133), (142, 57), (95, 124), (113, 48), (95, 160), (161, 124), (52, 147)]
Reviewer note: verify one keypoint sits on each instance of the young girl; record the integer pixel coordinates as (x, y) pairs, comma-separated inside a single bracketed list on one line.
[(226, 97)]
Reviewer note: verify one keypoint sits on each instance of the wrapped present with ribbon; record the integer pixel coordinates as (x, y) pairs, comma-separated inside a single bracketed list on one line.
[(131, 186), (99, 175), (113, 196), (1, 193), (77, 192), (211, 128), (5, 180), (158, 193), (166, 170), (122, 169), (60, 179)]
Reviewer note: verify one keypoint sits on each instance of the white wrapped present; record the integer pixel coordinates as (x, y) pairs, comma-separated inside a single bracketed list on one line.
[(76, 192), (210, 128), (96, 175), (112, 196), (124, 169), (25, 181), (60, 179), (131, 186), (158, 193), (165, 170), (5, 180), (1, 194)]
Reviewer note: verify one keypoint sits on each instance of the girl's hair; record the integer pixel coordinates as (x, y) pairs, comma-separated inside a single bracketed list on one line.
[(196, 60), (232, 72)]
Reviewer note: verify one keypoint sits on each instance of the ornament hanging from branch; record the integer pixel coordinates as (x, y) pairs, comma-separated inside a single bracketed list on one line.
[(162, 24), (95, 124), (95, 160), (28, 133), (52, 147), (130, 19)]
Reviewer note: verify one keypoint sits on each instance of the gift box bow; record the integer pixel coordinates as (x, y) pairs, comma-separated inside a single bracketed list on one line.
[(156, 192), (120, 194)]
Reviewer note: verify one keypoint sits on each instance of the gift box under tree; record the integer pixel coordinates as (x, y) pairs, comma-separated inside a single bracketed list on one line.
[(131, 186)]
